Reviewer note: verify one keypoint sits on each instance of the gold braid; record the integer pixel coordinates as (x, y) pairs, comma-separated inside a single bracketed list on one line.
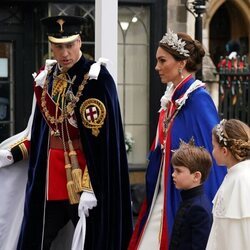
[(69, 107)]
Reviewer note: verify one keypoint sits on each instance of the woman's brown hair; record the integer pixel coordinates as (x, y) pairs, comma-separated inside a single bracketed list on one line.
[(196, 52)]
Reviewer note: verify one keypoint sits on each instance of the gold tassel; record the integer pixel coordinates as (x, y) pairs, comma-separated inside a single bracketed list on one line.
[(76, 170), (74, 197)]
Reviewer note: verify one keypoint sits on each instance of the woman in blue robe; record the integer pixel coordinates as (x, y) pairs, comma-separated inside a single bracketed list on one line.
[(187, 111)]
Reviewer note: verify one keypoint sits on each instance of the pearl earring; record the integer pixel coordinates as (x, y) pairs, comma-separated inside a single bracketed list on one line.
[(180, 73)]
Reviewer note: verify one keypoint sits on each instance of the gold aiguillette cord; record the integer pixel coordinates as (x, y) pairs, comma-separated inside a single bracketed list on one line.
[(76, 170), (74, 196)]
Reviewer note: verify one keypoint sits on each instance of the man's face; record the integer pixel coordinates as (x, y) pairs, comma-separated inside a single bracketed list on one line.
[(67, 54)]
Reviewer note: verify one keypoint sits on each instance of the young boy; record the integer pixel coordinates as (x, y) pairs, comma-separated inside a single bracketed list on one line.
[(193, 220)]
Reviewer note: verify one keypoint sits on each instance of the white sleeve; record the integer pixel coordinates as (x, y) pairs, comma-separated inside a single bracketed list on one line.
[(6, 157)]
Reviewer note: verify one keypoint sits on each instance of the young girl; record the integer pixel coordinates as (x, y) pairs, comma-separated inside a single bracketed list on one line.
[(231, 205)]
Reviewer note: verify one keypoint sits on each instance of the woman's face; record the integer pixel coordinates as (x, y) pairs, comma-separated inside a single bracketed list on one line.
[(167, 67), (217, 152)]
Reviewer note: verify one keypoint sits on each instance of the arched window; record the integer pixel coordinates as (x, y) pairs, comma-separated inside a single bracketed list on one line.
[(133, 77)]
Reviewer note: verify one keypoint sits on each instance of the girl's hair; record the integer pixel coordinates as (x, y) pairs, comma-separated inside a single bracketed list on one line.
[(234, 135), (194, 158), (196, 51)]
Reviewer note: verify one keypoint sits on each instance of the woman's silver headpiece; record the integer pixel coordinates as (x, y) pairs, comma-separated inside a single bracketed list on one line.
[(171, 39)]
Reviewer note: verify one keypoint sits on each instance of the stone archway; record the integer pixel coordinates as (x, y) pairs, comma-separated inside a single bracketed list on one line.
[(226, 20)]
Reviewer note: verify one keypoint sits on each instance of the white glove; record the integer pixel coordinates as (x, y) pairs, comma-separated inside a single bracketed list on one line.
[(87, 201), (6, 158)]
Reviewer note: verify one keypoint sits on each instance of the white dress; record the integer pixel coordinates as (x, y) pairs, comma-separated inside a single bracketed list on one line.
[(151, 237), (231, 211)]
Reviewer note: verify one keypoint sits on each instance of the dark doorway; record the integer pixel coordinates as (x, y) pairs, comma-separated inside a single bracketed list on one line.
[(228, 24), (219, 33), (17, 55), (10, 84)]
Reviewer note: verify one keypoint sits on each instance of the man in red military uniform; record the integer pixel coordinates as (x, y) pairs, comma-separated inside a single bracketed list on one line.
[(75, 145)]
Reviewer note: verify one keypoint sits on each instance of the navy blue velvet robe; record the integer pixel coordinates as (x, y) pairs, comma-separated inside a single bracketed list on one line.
[(109, 225)]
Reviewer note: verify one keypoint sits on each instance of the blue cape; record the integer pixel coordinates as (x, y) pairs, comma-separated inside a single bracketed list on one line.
[(195, 119)]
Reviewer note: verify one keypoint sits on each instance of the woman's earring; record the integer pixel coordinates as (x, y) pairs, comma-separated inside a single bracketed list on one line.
[(180, 73)]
